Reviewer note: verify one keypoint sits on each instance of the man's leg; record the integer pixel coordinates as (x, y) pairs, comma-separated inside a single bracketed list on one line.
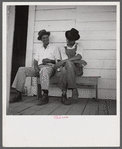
[(63, 85), (19, 80), (70, 68), (45, 73)]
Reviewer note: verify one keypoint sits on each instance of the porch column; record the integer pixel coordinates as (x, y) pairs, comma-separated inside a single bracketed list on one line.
[(10, 10), (30, 42)]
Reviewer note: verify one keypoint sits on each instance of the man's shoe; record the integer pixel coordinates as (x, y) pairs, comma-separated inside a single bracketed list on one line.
[(64, 100), (15, 98), (75, 94), (19, 98), (44, 99)]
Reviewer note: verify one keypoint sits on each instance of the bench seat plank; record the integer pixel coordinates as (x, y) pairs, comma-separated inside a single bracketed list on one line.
[(79, 80)]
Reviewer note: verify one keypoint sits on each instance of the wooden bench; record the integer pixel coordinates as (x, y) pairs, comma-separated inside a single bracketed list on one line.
[(81, 82)]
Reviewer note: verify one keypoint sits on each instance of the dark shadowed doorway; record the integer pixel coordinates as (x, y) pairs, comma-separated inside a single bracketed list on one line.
[(20, 39)]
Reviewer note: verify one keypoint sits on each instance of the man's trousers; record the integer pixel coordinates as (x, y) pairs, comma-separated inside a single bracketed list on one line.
[(23, 72), (67, 76)]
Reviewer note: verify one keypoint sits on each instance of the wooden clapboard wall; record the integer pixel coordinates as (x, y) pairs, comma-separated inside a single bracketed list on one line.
[(97, 27)]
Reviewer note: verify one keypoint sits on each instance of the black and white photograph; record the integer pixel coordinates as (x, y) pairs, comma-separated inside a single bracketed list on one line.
[(61, 61)]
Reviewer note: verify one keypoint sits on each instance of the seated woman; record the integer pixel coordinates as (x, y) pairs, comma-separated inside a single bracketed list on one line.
[(70, 65)]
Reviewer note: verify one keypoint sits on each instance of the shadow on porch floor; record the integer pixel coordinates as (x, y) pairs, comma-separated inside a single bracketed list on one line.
[(28, 106)]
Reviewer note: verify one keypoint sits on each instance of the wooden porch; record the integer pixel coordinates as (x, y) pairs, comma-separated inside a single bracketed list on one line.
[(28, 106)]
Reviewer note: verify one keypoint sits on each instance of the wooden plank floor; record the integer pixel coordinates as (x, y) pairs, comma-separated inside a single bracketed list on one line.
[(28, 106)]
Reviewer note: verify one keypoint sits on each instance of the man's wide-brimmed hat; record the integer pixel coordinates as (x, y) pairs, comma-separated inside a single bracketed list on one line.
[(41, 33), (72, 34)]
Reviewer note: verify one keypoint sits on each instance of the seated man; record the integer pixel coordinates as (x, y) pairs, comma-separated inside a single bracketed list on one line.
[(44, 61), (70, 65)]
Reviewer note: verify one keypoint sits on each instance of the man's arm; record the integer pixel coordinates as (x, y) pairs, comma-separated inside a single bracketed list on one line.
[(75, 58)]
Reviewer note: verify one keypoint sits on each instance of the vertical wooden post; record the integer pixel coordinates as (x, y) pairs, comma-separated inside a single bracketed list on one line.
[(30, 36), (39, 91), (96, 92), (10, 33), (30, 41)]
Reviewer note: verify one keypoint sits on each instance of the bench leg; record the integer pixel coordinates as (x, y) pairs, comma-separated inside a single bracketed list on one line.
[(39, 91), (96, 93)]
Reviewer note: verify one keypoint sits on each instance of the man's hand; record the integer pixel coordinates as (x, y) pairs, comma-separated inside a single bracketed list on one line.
[(59, 64), (80, 63), (46, 60), (36, 72)]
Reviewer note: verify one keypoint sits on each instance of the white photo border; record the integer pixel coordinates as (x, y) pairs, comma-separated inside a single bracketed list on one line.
[(75, 131)]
